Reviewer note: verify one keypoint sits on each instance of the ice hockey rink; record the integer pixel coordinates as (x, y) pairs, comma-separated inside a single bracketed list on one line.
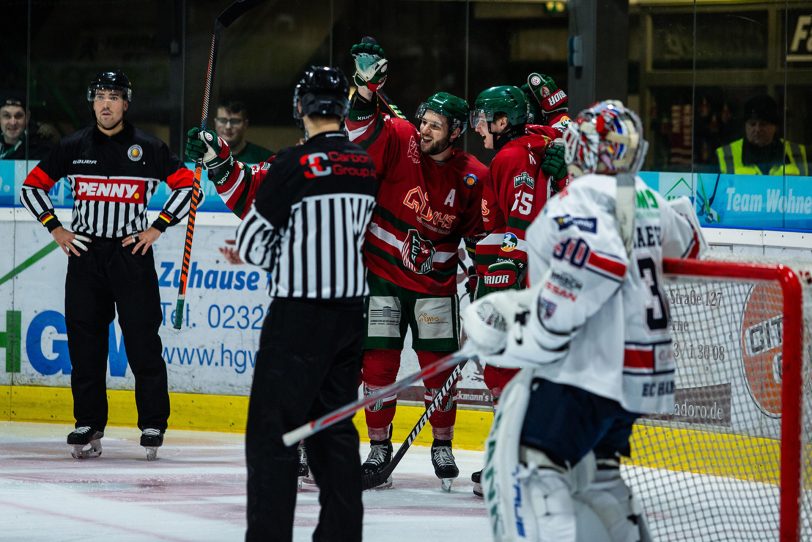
[(195, 492)]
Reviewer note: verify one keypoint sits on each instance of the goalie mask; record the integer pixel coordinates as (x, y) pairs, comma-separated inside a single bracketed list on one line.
[(606, 138), (323, 91)]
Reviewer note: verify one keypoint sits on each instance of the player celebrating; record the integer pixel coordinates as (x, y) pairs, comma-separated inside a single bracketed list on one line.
[(430, 196), (591, 337), (519, 173)]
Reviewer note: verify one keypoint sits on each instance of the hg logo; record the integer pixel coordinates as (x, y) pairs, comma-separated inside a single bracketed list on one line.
[(47, 346)]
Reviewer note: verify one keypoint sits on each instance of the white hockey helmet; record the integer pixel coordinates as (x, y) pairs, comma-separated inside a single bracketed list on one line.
[(606, 138)]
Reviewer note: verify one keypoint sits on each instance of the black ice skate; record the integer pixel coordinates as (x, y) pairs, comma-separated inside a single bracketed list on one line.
[(304, 470), (85, 442), (151, 440), (444, 465), (380, 454), (476, 478)]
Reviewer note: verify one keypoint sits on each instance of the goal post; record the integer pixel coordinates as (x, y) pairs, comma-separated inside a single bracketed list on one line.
[(732, 461)]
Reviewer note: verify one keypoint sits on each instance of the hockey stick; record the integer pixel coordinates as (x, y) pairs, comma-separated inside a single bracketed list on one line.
[(314, 426), (373, 480), (228, 16)]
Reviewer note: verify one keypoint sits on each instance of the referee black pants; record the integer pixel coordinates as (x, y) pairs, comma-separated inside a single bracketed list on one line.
[(308, 364), (105, 279)]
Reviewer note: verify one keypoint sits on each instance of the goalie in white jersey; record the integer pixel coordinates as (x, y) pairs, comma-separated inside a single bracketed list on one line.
[(592, 337)]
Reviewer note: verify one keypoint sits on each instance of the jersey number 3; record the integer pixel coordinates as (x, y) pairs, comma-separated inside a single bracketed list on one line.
[(657, 314)]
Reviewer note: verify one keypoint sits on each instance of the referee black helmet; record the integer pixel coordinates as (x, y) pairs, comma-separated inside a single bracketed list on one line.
[(323, 91), (110, 80)]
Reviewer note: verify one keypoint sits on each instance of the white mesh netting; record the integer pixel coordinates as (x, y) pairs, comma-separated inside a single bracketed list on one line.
[(710, 470)]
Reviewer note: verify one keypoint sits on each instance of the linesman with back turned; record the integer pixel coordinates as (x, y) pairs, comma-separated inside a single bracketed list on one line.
[(307, 228)]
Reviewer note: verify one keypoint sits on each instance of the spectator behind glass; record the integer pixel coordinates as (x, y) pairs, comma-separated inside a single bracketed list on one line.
[(762, 151), (231, 123), (14, 117)]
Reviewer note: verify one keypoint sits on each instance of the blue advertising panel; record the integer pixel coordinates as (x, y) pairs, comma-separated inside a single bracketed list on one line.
[(721, 200)]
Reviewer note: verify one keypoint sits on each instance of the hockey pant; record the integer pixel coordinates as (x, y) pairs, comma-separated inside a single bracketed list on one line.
[(106, 279), (296, 379), (381, 369)]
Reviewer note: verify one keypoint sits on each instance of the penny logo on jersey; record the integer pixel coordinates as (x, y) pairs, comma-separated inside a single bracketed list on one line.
[(417, 253), (762, 338), (104, 189)]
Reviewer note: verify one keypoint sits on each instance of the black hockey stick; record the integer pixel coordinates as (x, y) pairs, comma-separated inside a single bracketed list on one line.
[(228, 16), (373, 480), (314, 426)]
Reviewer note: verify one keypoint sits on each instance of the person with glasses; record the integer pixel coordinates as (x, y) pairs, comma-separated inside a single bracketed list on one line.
[(231, 124), (113, 170)]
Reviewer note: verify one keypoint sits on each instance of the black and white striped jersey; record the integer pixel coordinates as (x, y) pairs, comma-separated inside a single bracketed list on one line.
[(308, 221), (112, 180)]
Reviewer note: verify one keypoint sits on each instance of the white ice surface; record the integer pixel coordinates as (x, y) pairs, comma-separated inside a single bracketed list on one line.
[(196, 492)]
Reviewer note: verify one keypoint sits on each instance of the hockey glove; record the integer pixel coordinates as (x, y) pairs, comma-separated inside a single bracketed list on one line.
[(552, 99), (213, 151), (370, 64), (499, 277), (555, 167)]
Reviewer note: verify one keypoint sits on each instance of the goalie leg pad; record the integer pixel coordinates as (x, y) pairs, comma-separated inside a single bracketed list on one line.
[(612, 500)]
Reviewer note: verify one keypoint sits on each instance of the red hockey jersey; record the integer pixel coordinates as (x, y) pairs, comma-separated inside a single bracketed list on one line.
[(517, 191), (424, 207)]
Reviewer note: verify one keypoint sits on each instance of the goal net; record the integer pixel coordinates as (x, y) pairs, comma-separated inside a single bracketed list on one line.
[(732, 461)]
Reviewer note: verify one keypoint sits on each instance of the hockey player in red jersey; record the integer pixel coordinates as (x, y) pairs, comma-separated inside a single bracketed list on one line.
[(429, 198), (525, 171)]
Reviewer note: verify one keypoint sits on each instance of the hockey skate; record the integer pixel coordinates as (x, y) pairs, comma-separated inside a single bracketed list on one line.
[(85, 442), (151, 440), (304, 470), (476, 478), (380, 454), (444, 465)]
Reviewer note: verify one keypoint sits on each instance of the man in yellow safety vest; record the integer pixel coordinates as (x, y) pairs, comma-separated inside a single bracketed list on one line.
[(761, 152)]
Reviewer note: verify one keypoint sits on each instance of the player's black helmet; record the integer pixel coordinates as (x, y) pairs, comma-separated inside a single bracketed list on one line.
[(322, 90), (110, 80)]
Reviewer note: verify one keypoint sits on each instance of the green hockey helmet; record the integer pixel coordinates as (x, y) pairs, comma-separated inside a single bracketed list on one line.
[(506, 99), (453, 108)]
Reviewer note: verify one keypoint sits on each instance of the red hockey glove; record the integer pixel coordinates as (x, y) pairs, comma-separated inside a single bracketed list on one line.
[(553, 100)]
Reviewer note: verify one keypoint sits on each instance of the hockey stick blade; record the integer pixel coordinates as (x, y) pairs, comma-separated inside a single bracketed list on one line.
[(314, 426), (374, 480), (234, 11)]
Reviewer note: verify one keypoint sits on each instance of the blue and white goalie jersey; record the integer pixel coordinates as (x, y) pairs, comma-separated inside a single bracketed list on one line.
[(600, 319)]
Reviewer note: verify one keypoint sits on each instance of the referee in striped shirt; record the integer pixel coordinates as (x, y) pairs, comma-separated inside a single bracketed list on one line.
[(113, 170), (307, 227)]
